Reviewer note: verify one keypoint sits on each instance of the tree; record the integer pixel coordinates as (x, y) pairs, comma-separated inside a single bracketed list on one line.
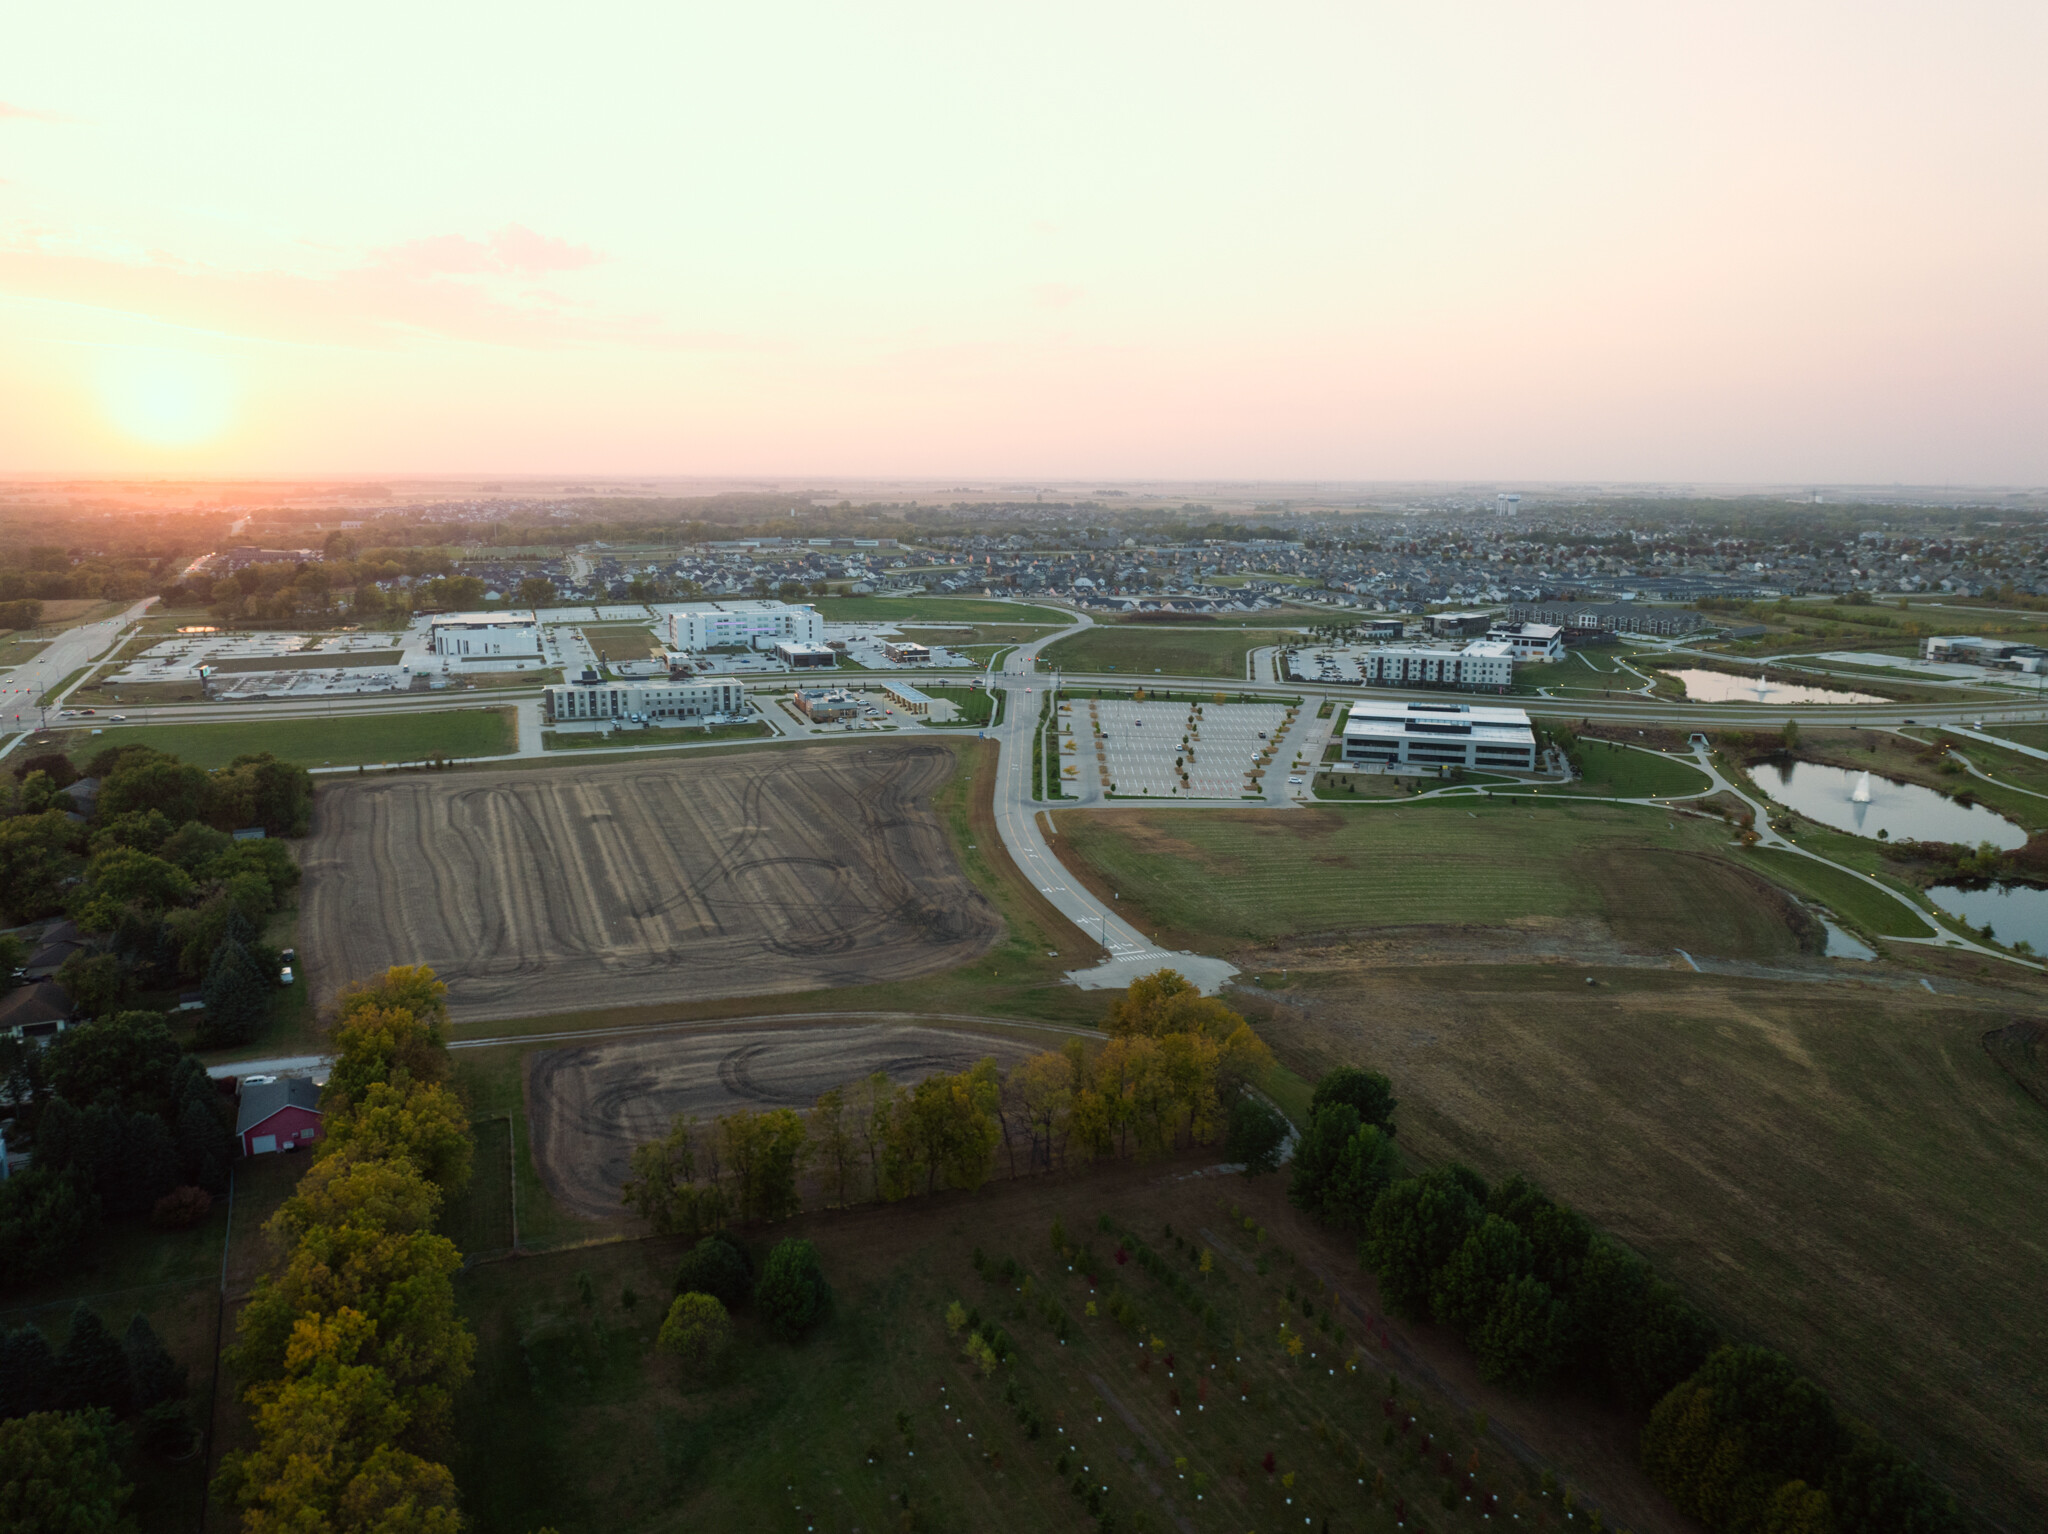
[(35, 859), (259, 790), (1415, 1227), (237, 997), (536, 591), (696, 1330), (1255, 1136), (1874, 1489), (154, 781), (45, 1215), (374, 1044), (1368, 1092), (26, 1366), (125, 1059), (833, 1144), (1791, 735), (717, 1266), (91, 1370), (97, 982), (145, 1169), (421, 1121), (1045, 1084), (57, 1473), (661, 1187), (792, 1296), (408, 987), (764, 1151), (1521, 1340), (153, 1375), (1165, 1002), (1492, 1256), (206, 1145), (123, 876)]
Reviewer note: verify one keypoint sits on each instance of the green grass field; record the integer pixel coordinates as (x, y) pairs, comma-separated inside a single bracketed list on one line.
[(927, 609), (1838, 1171), (1143, 650), (1622, 772), (626, 642), (1850, 899), (879, 1420), (1229, 879), (479, 1218), (976, 706), (339, 740)]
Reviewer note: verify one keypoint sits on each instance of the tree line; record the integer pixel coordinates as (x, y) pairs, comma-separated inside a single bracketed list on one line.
[(167, 894), (122, 1123), (1173, 1065), (351, 1346), (1735, 1435)]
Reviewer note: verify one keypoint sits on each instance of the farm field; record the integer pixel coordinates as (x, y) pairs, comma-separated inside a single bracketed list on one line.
[(936, 610), (1633, 876), (590, 1106), (1142, 649), (655, 880), (1809, 1162), (336, 740), (572, 1421)]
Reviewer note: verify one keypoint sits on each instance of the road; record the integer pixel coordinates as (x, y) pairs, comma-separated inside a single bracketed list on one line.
[(1130, 952), (27, 692)]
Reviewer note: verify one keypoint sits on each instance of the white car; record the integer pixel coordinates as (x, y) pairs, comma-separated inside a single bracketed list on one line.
[(285, 976), (1295, 781)]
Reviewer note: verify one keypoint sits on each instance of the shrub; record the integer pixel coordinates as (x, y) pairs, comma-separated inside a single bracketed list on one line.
[(718, 1267), (181, 1208), (696, 1330), (793, 1296)]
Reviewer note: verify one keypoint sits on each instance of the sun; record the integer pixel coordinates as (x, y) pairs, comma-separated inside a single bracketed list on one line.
[(165, 397)]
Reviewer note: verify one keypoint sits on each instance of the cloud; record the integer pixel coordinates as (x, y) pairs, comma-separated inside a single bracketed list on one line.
[(513, 249), (1055, 295), (11, 113), (448, 287)]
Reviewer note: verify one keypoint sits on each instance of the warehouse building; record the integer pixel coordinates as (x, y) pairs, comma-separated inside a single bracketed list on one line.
[(741, 625), (1439, 735), (1469, 667), (590, 697), (480, 635)]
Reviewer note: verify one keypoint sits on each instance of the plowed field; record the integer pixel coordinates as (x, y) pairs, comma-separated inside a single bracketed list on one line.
[(577, 887)]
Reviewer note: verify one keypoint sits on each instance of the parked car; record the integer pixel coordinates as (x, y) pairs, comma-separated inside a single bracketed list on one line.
[(285, 978)]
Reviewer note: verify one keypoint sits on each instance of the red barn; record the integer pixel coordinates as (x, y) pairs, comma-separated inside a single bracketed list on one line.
[(280, 1114)]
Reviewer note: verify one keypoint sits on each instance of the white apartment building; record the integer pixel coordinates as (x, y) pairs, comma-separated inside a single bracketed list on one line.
[(746, 625), (1439, 735), (1469, 667), (481, 635), (660, 701)]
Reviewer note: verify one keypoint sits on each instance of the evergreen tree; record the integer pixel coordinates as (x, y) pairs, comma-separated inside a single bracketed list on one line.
[(44, 1217), (237, 998), (793, 1296), (153, 1375), (206, 1145), (148, 1168), (1254, 1137), (92, 1370), (26, 1364)]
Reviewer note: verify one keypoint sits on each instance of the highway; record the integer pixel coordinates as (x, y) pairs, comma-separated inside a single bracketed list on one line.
[(29, 689)]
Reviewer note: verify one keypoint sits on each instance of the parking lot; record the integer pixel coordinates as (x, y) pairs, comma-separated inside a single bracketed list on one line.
[(1174, 750)]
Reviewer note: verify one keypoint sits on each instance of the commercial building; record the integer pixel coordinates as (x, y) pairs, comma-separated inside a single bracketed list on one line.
[(1472, 666), (741, 625), (479, 635), (1529, 641), (1969, 650), (1451, 625), (833, 707), (907, 698), (1439, 735), (589, 697), (904, 653), (796, 652), (1385, 628)]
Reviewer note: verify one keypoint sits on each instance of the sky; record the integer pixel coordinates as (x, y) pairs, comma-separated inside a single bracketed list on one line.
[(1611, 240)]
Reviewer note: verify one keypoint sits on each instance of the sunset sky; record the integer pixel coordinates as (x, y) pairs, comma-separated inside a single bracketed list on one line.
[(1627, 240)]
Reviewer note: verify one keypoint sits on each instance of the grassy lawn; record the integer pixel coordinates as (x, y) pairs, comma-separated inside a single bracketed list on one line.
[(1145, 649), (878, 1420), (1840, 1171), (926, 609), (1851, 899), (1228, 879), (338, 740), (479, 1219), (632, 642), (574, 740), (977, 707), (1622, 772), (14, 650), (959, 636)]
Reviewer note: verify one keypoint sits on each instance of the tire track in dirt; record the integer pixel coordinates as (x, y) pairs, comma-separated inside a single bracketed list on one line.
[(576, 887)]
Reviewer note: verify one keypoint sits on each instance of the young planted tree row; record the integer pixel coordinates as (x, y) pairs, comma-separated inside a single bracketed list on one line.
[(1173, 1064), (1736, 1436), (351, 1348)]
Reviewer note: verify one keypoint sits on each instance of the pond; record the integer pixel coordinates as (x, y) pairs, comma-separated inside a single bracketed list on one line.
[(1864, 804), (2016, 912), (1727, 687)]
